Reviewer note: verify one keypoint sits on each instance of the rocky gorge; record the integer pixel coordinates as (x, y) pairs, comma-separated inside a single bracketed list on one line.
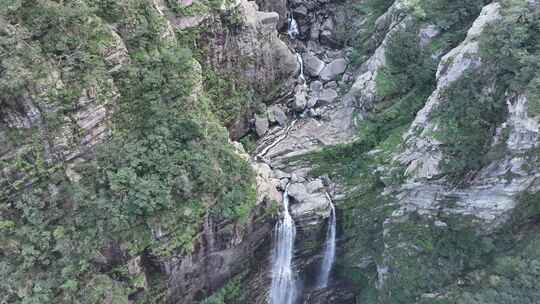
[(269, 151)]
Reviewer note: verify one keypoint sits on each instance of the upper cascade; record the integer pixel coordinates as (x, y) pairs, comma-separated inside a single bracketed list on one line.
[(293, 30)]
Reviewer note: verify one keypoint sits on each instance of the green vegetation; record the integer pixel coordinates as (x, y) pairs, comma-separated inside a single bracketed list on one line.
[(231, 293), (513, 46), (166, 164), (476, 104), (448, 15), (453, 18), (439, 259), (404, 85), (468, 122), (229, 100)]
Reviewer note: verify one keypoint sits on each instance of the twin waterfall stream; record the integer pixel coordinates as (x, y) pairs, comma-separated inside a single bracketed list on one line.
[(284, 288)]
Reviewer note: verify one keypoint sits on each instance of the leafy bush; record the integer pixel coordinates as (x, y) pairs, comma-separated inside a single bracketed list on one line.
[(231, 293), (476, 103), (468, 121)]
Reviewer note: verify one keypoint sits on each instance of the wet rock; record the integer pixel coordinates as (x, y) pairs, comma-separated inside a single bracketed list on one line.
[(333, 70), (332, 294), (261, 125), (267, 183), (310, 204), (313, 65), (313, 113)]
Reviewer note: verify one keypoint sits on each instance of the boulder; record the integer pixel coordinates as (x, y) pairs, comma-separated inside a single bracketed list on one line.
[(310, 200), (315, 87), (277, 115), (327, 96), (313, 65), (333, 70)]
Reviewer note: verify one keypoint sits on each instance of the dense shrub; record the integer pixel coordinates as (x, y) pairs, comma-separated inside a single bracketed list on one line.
[(146, 190), (476, 104), (468, 120)]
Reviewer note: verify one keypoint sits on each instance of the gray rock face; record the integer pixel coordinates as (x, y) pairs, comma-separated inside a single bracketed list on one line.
[(254, 53), (310, 202), (423, 154), (313, 65), (86, 126), (333, 70), (327, 96), (490, 195), (222, 249), (261, 124), (333, 294)]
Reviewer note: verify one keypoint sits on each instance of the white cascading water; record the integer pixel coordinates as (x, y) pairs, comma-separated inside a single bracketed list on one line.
[(330, 248), (293, 27), (301, 63), (283, 290)]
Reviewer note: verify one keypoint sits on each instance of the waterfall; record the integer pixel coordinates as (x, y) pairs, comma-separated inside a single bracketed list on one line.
[(283, 283), (293, 27), (301, 63), (330, 248)]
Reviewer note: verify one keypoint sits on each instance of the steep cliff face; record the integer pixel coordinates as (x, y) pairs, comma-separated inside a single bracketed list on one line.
[(442, 194), (418, 119), (115, 163)]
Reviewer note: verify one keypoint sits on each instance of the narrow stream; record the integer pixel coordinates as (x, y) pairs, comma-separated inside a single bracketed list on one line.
[(301, 63), (283, 289)]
